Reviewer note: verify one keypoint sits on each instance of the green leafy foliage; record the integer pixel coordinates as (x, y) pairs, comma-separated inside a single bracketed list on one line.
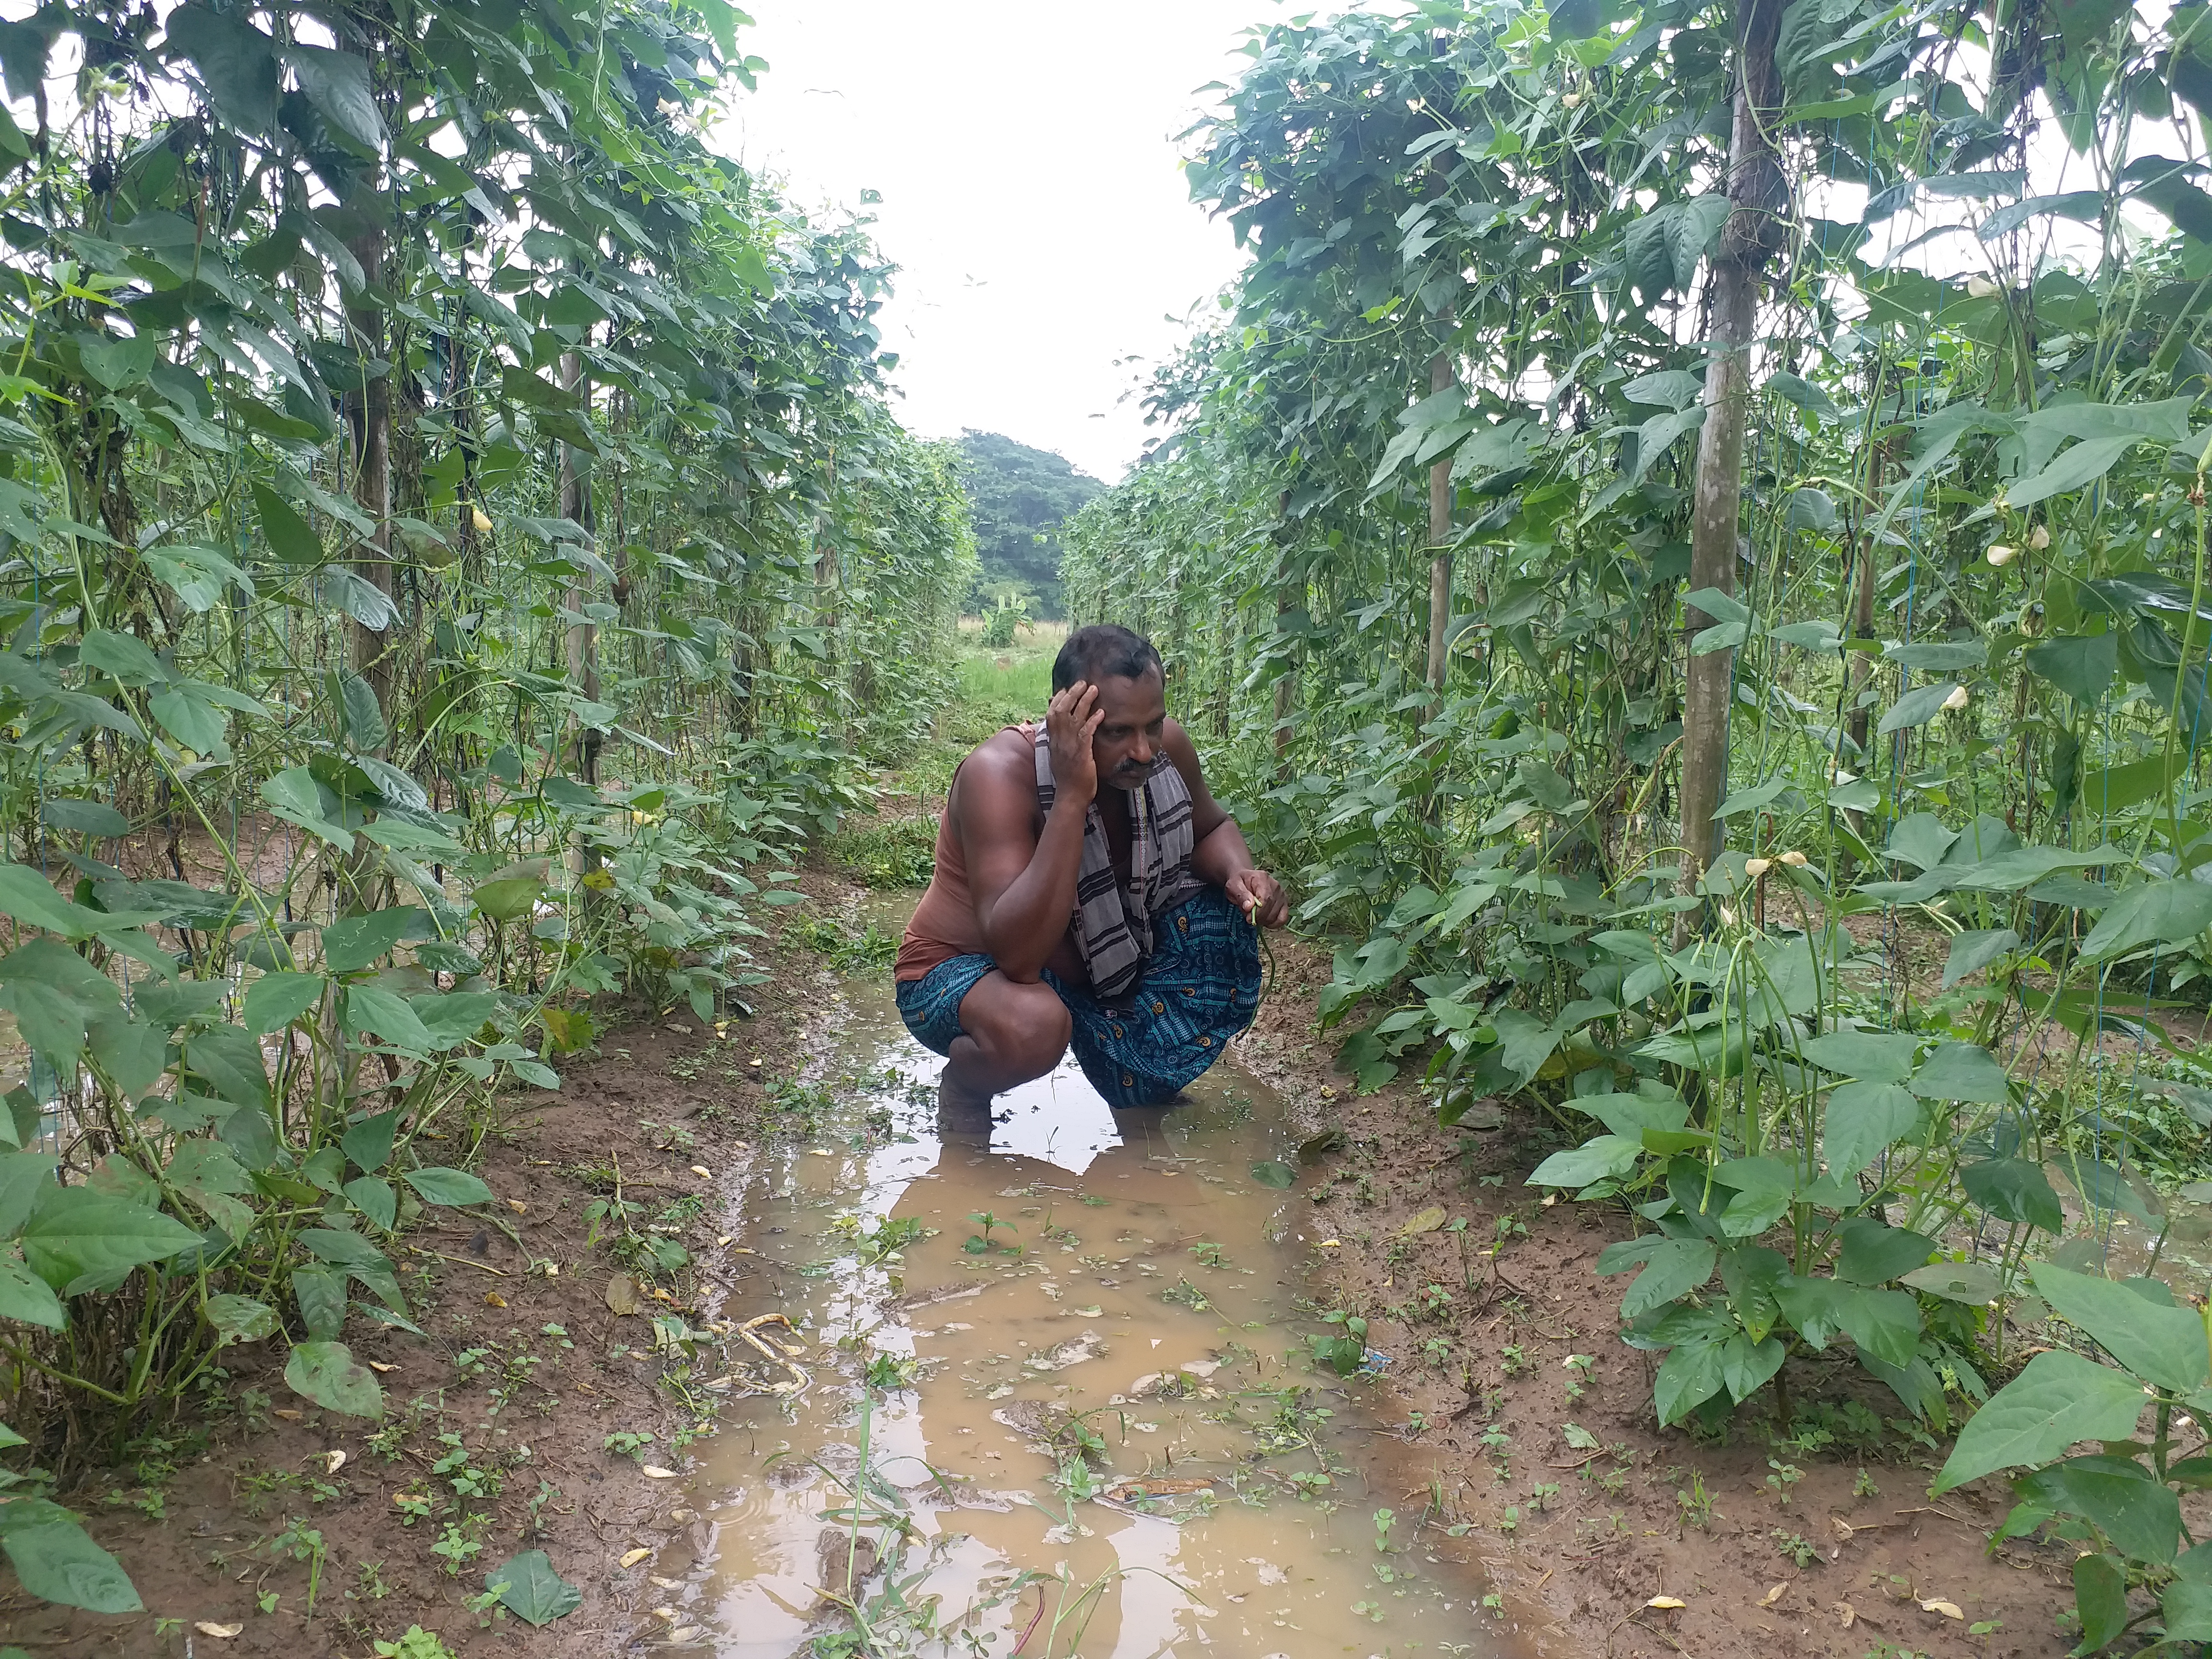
[(527, 1586), (54, 1558), (1019, 498), (1418, 547), (458, 548), (327, 1373)]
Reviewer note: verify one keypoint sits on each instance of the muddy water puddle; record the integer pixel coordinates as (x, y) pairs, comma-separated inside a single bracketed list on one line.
[(1095, 1427)]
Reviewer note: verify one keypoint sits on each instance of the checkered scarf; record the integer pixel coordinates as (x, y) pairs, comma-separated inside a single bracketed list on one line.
[(1114, 927)]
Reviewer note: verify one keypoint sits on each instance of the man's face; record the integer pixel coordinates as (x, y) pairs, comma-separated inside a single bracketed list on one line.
[(1127, 740)]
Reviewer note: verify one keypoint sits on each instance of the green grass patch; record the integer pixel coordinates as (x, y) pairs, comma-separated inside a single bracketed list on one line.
[(992, 690), (887, 852), (992, 696), (871, 950)]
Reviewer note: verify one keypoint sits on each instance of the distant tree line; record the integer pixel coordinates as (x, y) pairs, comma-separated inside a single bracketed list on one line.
[(1019, 497)]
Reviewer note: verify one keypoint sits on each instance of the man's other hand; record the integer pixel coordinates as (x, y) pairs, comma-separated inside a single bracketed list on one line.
[(1070, 720), (1259, 896)]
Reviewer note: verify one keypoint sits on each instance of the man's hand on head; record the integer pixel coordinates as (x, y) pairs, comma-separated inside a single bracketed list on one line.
[(1070, 720), (1259, 896)]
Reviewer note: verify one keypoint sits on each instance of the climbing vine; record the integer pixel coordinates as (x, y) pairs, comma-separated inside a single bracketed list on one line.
[(1692, 524), (454, 547)]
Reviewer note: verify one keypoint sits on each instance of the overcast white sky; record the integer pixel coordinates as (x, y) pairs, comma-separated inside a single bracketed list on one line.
[(1024, 149)]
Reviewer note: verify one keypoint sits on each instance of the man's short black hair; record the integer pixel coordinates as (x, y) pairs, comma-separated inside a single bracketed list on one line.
[(1105, 651)]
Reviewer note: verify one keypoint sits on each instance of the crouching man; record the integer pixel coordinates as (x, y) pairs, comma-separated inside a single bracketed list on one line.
[(1121, 919)]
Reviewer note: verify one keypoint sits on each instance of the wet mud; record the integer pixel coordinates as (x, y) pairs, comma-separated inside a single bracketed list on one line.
[(1047, 1392), (1033, 1473)]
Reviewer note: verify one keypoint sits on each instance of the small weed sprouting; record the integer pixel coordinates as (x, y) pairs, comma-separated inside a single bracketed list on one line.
[(389, 1441), (1499, 1443), (488, 1608), (468, 1479), (458, 1546), (533, 1521), (673, 1138), (1579, 1366), (1185, 1294), (1863, 1486), (887, 852), (870, 951), (301, 1543), (891, 1236), (980, 1243), (1590, 1529), (1345, 1352), (798, 1111), (1785, 1477), (1797, 1547), (888, 1373), (1696, 1503), (417, 1643)]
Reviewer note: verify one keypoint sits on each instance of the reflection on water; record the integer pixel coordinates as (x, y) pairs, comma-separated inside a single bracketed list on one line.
[(1096, 1432)]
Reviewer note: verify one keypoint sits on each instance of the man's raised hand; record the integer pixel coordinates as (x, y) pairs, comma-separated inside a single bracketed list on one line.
[(1069, 722), (1259, 896)]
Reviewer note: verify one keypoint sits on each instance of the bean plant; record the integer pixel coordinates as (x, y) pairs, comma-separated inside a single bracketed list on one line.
[(453, 548), (1690, 530)]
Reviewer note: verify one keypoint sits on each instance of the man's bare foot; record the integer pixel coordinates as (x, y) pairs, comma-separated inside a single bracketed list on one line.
[(961, 1113)]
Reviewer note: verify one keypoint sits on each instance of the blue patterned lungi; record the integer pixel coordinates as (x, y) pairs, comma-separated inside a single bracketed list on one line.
[(1200, 989)]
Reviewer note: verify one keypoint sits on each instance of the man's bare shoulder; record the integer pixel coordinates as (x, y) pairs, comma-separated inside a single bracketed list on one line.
[(1005, 754), (1182, 751), (1000, 767)]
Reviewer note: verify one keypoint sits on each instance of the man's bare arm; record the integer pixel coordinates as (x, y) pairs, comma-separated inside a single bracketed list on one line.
[(1219, 853), (1024, 884)]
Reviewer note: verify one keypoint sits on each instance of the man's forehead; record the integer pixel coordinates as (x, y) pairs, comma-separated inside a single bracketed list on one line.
[(1123, 698)]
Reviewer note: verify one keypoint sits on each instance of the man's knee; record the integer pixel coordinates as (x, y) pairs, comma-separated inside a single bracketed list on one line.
[(1025, 1029)]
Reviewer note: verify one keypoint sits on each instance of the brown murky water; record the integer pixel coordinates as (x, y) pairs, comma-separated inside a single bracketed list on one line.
[(1100, 1433)]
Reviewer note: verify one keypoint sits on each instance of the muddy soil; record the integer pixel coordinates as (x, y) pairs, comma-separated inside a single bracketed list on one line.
[(1535, 1423), (1229, 1487), (1511, 1472), (522, 1361), (1094, 1412)]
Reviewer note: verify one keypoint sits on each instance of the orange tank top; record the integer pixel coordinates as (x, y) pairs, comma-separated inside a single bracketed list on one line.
[(943, 924)]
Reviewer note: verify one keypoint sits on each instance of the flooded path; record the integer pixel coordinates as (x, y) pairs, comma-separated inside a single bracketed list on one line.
[(1048, 1397)]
